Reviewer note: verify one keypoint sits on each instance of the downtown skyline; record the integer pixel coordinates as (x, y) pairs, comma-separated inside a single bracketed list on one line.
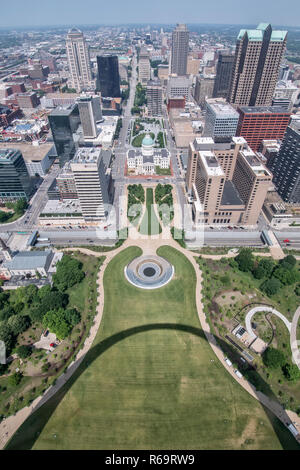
[(132, 12)]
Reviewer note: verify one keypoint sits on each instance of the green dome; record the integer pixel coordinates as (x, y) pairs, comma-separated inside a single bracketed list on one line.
[(147, 141)]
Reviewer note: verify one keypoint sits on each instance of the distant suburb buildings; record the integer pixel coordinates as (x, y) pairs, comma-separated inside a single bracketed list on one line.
[(256, 66)]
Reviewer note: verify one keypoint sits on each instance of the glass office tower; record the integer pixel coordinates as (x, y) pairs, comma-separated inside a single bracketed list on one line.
[(64, 123), (108, 81), (15, 182)]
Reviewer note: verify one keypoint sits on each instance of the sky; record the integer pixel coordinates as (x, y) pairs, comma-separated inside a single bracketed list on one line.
[(79, 12)]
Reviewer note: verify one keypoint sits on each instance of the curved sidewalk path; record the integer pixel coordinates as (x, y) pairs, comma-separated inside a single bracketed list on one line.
[(254, 310), (149, 245), (292, 327)]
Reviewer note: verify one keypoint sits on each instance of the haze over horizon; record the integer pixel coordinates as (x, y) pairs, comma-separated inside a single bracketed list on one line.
[(72, 12)]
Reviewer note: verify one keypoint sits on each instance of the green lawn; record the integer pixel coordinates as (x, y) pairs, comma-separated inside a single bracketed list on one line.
[(137, 141), (150, 224), (149, 381)]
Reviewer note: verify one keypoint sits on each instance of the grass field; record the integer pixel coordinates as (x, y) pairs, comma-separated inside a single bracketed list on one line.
[(150, 224), (149, 381)]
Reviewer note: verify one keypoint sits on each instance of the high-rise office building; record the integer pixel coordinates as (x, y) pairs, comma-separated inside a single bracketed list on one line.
[(226, 180), (225, 150), (221, 119), (285, 94), (204, 88), (258, 123), (154, 97), (79, 60), (178, 86), (286, 165), (64, 123), (223, 75), (144, 67), (252, 181), (90, 113), (15, 181), (180, 49), (91, 183), (256, 66), (108, 76)]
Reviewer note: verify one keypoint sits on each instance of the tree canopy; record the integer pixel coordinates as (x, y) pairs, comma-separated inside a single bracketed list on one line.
[(273, 358), (245, 260), (68, 273), (271, 286)]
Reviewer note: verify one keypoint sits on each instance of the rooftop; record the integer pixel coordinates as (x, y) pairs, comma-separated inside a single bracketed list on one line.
[(211, 164), (222, 109), (68, 206), (258, 33), (230, 196), (8, 155), (30, 152), (263, 109), (29, 260), (87, 155)]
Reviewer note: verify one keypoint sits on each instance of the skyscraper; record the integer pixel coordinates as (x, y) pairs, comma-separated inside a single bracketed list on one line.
[(223, 76), (90, 112), (180, 49), (257, 123), (256, 66), (252, 180), (154, 97), (221, 119), (89, 172), (14, 178), (144, 67), (79, 60), (64, 123), (108, 76), (286, 165)]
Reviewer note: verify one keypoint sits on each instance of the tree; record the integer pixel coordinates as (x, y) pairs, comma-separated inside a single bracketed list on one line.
[(289, 262), (72, 316), (291, 372), (286, 276), (6, 312), (56, 322), (264, 269), (18, 324), (21, 206), (6, 335), (297, 289), (273, 358), (271, 286), (68, 273), (4, 216), (15, 379), (23, 351), (245, 260)]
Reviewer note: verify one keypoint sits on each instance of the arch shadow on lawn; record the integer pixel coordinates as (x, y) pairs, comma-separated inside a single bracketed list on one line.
[(29, 431)]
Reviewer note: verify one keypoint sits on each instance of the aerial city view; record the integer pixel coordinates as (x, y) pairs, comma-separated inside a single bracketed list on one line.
[(150, 227)]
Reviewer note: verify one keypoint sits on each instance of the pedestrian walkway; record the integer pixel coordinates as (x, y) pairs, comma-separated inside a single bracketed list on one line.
[(149, 245)]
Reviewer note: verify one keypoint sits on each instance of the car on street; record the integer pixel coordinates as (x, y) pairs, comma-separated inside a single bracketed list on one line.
[(286, 241)]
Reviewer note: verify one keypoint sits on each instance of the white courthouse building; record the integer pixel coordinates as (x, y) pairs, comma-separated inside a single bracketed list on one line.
[(145, 160)]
